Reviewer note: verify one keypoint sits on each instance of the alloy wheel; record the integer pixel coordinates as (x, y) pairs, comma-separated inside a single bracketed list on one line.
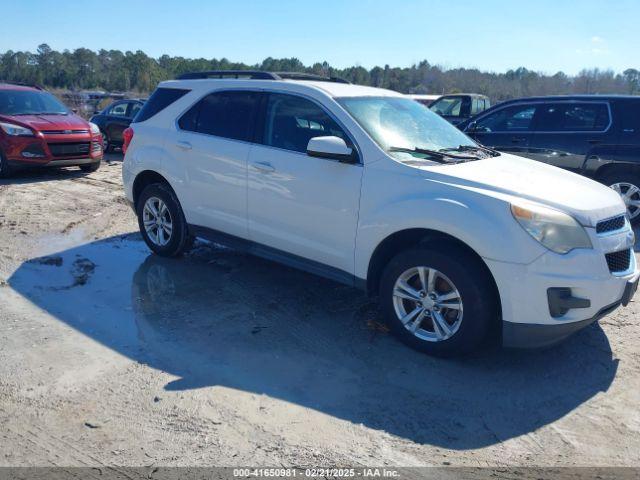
[(630, 194), (157, 221), (428, 304)]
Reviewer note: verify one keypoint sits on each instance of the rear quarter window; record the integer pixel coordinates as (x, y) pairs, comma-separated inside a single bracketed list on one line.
[(160, 99)]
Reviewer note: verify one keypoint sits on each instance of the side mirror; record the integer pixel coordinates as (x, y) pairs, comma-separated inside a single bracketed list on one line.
[(74, 110), (96, 112), (472, 127), (334, 148)]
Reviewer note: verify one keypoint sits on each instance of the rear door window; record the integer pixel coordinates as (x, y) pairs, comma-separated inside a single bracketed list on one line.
[(134, 108), (573, 117), (228, 114)]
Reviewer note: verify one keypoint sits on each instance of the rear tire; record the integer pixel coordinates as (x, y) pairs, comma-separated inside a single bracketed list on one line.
[(90, 167), (5, 169), (627, 184), (460, 281), (162, 222)]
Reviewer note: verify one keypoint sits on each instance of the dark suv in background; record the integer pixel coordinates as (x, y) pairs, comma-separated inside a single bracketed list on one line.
[(596, 136), (458, 107), (113, 121)]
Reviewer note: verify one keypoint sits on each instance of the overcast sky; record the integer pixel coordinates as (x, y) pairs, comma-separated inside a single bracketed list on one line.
[(494, 35)]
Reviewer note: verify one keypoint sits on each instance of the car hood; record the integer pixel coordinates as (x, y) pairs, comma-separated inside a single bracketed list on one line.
[(49, 122), (510, 176)]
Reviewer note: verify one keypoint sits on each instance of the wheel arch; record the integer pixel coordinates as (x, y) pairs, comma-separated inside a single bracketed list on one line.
[(144, 179), (412, 237), (601, 173)]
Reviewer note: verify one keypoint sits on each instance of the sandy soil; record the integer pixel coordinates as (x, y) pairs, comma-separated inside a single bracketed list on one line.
[(111, 356)]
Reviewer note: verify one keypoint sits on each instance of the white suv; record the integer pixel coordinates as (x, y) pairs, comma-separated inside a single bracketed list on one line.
[(369, 188)]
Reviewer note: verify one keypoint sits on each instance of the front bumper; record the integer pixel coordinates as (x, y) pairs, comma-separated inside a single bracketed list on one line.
[(528, 318), (52, 150), (529, 335)]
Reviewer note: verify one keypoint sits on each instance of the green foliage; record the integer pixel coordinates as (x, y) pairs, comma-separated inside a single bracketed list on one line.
[(114, 70)]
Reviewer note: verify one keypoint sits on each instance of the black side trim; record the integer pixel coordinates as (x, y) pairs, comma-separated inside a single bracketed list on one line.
[(529, 335), (279, 256), (561, 301)]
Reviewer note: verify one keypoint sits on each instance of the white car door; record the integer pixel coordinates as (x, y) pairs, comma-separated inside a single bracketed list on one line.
[(213, 143), (298, 204)]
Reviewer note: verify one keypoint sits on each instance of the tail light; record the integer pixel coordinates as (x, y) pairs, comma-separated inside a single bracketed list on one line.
[(127, 136)]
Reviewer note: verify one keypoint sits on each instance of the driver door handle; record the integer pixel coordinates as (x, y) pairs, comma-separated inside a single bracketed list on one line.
[(264, 167), (183, 145)]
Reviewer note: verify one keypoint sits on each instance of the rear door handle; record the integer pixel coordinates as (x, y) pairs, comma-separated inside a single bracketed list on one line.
[(184, 145), (264, 167), (594, 142), (517, 140)]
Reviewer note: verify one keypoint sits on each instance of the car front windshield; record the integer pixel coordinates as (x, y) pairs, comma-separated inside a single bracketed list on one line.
[(401, 123), (29, 102)]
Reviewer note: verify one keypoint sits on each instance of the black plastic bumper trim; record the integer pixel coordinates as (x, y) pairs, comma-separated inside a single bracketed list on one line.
[(530, 335), (561, 301)]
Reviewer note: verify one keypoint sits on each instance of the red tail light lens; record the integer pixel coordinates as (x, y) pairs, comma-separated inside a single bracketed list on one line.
[(127, 136)]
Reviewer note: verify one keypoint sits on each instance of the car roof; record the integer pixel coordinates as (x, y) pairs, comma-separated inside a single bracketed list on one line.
[(463, 95), (332, 89), (552, 98), (16, 86)]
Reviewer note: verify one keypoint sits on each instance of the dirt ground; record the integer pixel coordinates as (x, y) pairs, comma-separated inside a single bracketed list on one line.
[(112, 356)]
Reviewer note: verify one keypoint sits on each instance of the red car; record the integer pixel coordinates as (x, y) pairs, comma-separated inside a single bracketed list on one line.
[(37, 130)]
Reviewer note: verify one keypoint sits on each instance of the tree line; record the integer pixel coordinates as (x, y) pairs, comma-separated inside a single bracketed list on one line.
[(117, 71)]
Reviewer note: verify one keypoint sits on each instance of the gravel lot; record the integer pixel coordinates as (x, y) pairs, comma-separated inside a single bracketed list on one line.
[(111, 356)]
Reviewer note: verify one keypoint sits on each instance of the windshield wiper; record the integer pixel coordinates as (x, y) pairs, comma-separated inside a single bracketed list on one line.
[(441, 156), (472, 148)]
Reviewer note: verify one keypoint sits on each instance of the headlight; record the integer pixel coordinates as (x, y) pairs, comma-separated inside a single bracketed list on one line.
[(556, 230), (94, 128), (15, 130)]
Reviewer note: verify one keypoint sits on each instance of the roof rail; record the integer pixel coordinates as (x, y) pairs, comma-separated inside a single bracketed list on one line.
[(252, 74), (258, 75), (22, 84), (310, 77)]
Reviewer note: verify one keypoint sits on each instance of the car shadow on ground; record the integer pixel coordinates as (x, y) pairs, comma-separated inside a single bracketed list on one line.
[(51, 174), (219, 318), (37, 175)]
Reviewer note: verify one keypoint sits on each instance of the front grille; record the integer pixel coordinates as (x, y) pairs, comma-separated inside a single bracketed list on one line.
[(610, 225), (69, 149), (63, 132), (619, 261)]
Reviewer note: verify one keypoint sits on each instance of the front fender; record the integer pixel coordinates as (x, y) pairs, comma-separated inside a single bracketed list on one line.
[(483, 223)]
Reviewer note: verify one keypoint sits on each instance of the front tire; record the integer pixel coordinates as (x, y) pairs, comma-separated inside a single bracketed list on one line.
[(162, 222), (107, 147), (627, 184), (90, 167), (438, 299)]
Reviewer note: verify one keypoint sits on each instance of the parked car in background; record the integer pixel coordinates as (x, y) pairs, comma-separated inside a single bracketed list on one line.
[(37, 130), (458, 107), (114, 119), (366, 187), (424, 99), (596, 136)]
